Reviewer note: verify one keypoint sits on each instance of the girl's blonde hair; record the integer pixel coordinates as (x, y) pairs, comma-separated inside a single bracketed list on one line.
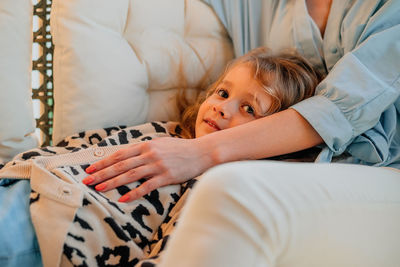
[(286, 76)]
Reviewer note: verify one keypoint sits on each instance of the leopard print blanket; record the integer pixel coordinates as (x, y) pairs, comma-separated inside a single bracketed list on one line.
[(105, 232)]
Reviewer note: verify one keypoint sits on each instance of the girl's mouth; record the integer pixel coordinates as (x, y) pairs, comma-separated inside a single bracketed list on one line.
[(212, 124)]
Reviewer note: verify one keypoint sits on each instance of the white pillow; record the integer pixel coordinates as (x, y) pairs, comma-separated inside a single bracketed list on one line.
[(17, 124), (117, 62)]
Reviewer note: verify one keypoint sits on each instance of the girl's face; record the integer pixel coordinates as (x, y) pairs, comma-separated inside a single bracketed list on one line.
[(238, 99)]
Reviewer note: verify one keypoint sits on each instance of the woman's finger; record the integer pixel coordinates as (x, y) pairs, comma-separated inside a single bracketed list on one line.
[(117, 156), (144, 189), (114, 170), (127, 177)]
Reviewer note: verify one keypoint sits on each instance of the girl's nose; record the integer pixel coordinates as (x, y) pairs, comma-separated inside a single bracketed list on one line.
[(222, 110)]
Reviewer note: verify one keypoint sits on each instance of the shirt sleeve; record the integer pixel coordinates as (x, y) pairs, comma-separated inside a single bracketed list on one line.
[(362, 84)]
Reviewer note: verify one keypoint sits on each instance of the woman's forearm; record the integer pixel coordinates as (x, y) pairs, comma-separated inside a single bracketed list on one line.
[(173, 160), (277, 134)]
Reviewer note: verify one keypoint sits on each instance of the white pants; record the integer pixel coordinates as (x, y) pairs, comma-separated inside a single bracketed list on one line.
[(262, 213)]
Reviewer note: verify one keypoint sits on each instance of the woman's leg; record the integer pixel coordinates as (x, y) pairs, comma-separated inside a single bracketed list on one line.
[(289, 214), (18, 244)]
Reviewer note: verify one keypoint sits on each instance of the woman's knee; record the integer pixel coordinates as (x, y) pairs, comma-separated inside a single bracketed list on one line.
[(241, 193), (231, 182), (245, 180)]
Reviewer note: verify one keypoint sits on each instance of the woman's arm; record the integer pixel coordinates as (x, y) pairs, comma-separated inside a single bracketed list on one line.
[(277, 134), (167, 161)]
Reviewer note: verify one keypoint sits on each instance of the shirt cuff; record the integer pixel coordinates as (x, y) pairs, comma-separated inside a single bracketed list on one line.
[(328, 120)]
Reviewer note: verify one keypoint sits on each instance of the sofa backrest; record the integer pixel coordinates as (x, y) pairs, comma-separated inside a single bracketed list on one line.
[(118, 62)]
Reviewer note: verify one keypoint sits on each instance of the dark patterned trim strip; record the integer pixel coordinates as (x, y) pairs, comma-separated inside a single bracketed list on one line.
[(44, 66)]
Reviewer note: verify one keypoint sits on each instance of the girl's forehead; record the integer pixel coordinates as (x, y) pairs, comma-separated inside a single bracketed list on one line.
[(262, 76), (239, 71), (243, 75)]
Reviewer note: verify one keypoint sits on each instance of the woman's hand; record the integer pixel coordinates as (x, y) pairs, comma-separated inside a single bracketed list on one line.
[(161, 161)]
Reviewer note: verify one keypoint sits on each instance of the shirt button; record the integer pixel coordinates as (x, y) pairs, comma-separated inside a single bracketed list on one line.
[(66, 190), (98, 152), (334, 50)]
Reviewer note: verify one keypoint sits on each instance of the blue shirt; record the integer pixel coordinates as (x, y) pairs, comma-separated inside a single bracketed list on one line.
[(356, 108)]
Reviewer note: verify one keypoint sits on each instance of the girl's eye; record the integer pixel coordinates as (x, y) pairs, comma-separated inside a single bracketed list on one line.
[(249, 109), (222, 93)]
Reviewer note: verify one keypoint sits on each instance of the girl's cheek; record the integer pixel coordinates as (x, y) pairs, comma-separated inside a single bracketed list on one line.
[(200, 113), (241, 120), (204, 107)]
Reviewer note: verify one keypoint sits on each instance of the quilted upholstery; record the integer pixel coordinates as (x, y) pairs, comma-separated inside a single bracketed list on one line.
[(17, 125), (117, 62)]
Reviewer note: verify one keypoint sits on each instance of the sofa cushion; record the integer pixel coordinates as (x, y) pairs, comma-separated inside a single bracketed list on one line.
[(118, 62), (17, 124)]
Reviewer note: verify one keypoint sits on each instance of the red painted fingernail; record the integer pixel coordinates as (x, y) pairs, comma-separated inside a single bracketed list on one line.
[(100, 187), (124, 198), (90, 169), (88, 180)]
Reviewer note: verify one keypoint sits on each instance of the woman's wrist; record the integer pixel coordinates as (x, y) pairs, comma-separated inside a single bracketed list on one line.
[(209, 153), (216, 148)]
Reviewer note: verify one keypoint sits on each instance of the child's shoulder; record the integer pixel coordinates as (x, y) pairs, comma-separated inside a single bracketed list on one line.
[(156, 129)]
